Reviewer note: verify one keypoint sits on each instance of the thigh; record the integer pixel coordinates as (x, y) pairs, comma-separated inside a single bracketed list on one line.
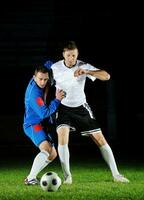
[(38, 135), (98, 138)]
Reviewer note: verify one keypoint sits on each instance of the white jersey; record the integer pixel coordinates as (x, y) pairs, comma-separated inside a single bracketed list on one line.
[(73, 86)]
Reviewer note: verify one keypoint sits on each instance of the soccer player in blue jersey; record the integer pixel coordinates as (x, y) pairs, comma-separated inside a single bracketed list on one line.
[(74, 112), (37, 120)]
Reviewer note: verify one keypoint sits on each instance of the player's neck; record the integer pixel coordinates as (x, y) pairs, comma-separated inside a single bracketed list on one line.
[(69, 66)]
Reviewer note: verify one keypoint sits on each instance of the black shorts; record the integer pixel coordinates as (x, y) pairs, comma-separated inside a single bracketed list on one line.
[(80, 119)]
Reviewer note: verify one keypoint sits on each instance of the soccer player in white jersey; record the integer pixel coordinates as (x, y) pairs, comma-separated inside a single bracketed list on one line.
[(74, 112)]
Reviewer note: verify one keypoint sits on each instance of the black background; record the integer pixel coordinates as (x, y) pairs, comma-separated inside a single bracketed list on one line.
[(32, 32)]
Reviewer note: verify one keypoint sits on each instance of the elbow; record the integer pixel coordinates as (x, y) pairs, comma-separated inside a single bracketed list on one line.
[(105, 76), (43, 116), (108, 76)]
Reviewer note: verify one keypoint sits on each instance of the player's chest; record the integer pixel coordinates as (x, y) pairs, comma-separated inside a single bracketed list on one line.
[(67, 78)]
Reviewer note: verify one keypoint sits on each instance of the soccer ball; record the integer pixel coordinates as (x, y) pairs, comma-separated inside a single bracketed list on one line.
[(50, 181)]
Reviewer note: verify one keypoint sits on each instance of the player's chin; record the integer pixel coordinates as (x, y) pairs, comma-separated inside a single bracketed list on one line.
[(42, 86)]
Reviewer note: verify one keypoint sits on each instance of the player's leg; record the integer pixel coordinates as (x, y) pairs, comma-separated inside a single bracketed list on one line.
[(46, 155), (91, 128), (63, 151), (42, 159), (108, 156)]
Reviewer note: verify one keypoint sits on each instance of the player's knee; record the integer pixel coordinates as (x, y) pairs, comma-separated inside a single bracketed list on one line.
[(62, 131), (52, 155)]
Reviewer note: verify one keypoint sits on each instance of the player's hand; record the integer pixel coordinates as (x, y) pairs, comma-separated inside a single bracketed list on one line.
[(80, 71), (60, 94)]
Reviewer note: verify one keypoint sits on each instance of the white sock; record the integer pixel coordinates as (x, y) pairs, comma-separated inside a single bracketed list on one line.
[(39, 163), (64, 156), (109, 158)]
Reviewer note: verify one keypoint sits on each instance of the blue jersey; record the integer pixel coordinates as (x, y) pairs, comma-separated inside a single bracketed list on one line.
[(35, 108)]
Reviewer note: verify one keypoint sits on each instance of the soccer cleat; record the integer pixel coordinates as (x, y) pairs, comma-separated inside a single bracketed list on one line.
[(68, 180), (121, 178), (31, 182)]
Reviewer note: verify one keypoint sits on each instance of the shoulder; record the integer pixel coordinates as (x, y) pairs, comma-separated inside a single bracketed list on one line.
[(58, 68), (81, 63), (87, 66), (32, 88), (57, 64)]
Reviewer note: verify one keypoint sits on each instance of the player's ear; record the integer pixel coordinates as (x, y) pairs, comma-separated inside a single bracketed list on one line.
[(77, 52), (34, 77)]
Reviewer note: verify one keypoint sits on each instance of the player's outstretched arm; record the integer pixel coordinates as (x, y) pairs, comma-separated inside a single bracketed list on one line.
[(100, 74)]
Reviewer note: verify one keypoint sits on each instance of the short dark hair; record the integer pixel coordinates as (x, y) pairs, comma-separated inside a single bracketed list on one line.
[(70, 45), (41, 68)]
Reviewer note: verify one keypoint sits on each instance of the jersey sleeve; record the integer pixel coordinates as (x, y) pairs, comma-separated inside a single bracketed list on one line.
[(41, 109), (90, 67)]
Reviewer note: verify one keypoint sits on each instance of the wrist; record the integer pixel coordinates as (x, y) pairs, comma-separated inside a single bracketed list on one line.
[(57, 100)]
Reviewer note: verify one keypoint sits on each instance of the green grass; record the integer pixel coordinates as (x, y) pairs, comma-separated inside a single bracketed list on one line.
[(91, 181)]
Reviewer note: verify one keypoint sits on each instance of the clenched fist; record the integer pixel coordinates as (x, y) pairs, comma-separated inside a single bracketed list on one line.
[(60, 94)]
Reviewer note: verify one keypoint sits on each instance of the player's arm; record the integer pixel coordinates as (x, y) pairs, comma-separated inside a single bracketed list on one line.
[(100, 74), (39, 106)]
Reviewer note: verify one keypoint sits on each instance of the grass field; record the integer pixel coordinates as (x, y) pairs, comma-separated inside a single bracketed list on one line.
[(91, 181)]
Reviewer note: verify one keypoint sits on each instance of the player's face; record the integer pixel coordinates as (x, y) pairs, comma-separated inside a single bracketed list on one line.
[(41, 79), (70, 57)]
